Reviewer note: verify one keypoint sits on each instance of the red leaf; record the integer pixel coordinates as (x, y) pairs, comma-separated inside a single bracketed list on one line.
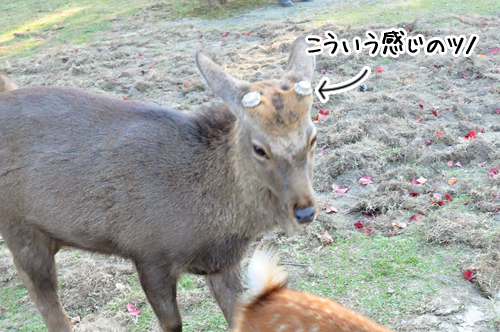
[(496, 211), (482, 131), (338, 190), (440, 203), (367, 231), (413, 194), (321, 150), (421, 106), (379, 70), (428, 142), (365, 180), (246, 33), (415, 181), (186, 84), (449, 163), (201, 36), (324, 112), (439, 133), (466, 203), (125, 98), (358, 224), (132, 310), (448, 197), (492, 172), (434, 112), (471, 134), (224, 34), (140, 54), (447, 108), (330, 209), (497, 110), (416, 217), (468, 275), (495, 51)]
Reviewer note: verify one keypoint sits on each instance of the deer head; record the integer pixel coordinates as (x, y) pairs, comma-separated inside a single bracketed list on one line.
[(275, 135)]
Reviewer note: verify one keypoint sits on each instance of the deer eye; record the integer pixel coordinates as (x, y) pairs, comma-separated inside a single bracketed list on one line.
[(259, 151)]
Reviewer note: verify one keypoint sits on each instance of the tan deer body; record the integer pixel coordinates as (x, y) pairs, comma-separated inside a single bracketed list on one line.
[(272, 307), (174, 192), (7, 84)]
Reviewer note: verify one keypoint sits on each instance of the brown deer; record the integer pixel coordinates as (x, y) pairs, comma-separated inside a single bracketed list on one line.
[(271, 307), (174, 192), (6, 84)]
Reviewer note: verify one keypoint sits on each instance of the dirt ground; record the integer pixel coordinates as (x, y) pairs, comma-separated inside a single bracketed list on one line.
[(388, 132)]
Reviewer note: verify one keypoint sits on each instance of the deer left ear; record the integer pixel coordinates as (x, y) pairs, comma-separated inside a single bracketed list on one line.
[(301, 65)]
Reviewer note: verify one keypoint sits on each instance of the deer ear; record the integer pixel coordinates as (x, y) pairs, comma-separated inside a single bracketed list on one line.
[(300, 64), (229, 88)]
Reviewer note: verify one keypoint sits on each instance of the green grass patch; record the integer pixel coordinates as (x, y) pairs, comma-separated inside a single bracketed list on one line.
[(388, 12), (13, 311)]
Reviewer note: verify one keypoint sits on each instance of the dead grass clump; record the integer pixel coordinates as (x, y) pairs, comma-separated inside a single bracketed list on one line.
[(486, 198), (453, 227), (384, 202), (466, 151), (487, 274), (90, 283), (362, 155)]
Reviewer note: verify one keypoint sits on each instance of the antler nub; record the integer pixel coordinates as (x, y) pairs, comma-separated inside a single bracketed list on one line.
[(251, 99), (303, 88)]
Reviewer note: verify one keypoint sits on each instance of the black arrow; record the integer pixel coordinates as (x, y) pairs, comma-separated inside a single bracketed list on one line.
[(324, 89)]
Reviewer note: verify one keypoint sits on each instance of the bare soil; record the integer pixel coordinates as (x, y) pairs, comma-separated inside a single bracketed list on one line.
[(382, 132)]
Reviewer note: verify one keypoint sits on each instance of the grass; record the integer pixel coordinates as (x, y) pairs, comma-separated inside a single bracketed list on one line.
[(388, 12), (27, 26), (13, 310)]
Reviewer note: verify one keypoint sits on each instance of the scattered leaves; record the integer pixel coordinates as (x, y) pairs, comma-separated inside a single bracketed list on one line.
[(416, 217), (468, 275), (358, 224), (365, 180), (338, 190), (330, 209), (471, 134), (131, 309)]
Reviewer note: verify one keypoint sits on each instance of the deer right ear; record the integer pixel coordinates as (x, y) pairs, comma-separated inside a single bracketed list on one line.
[(232, 90)]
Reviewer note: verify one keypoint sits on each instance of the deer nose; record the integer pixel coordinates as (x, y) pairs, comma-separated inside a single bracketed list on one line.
[(305, 215)]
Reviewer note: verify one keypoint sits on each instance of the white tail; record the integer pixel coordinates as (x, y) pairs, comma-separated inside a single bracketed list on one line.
[(270, 306)]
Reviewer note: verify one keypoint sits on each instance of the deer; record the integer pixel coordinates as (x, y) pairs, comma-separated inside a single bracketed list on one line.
[(7, 84), (174, 192), (270, 306)]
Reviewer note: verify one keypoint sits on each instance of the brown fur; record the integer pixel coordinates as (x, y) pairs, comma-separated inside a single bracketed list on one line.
[(7, 84), (275, 308), (174, 192)]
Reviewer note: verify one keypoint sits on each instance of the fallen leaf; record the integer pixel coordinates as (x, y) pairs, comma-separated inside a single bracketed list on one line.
[(422, 180), (367, 231), (323, 71), (466, 203), (330, 209), (326, 239), (413, 194), (140, 54), (492, 172), (338, 190), (496, 211), (495, 51), (75, 320), (480, 55), (481, 164), (324, 112), (416, 217), (437, 195), (321, 150), (465, 77), (452, 181), (120, 287), (415, 181), (379, 70), (440, 203), (201, 36), (468, 275), (471, 134), (132, 310), (224, 34), (125, 98), (358, 224), (434, 112), (428, 142), (497, 110), (482, 131), (399, 225), (439, 133), (246, 33), (448, 197), (489, 87), (365, 180), (458, 164), (186, 84), (449, 163)]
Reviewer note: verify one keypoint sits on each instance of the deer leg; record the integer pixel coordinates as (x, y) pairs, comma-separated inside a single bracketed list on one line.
[(160, 286), (225, 287), (33, 253)]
